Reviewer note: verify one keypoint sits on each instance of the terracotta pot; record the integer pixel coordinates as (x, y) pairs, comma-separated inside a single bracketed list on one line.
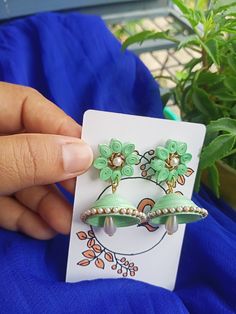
[(227, 183)]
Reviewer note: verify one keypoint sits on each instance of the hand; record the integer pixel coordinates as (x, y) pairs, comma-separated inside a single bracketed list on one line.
[(31, 162)]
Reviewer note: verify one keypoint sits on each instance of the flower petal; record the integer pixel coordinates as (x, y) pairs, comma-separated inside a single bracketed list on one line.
[(157, 164), (116, 146), (116, 175), (132, 159), (162, 153), (186, 158), (100, 163), (171, 146), (128, 149), (173, 175), (127, 171), (105, 173), (182, 169), (181, 148), (162, 175), (105, 150)]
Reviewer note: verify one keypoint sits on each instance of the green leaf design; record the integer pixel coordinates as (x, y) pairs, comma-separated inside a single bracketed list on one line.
[(105, 150), (203, 103), (182, 169), (128, 149), (127, 171), (100, 163), (181, 148), (219, 148), (105, 174), (162, 153), (116, 176), (186, 158), (116, 146), (173, 175), (171, 146), (162, 175), (223, 124), (213, 179), (132, 159), (157, 164)]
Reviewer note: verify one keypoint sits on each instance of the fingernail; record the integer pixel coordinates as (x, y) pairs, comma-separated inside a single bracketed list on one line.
[(77, 157)]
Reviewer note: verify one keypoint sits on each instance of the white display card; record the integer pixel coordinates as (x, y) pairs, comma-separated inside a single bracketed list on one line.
[(145, 252)]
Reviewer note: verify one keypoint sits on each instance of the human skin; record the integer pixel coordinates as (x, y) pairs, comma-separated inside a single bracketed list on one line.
[(39, 146)]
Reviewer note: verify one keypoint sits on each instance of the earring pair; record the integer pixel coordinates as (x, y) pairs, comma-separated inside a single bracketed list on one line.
[(116, 161)]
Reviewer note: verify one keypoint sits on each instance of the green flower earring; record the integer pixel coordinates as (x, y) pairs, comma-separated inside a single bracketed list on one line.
[(115, 161), (173, 208)]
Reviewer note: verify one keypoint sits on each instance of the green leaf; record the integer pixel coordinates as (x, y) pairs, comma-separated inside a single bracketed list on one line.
[(232, 62), (201, 4), (224, 5), (209, 78), (230, 83), (233, 111), (197, 180), (190, 40), (203, 103), (182, 6), (213, 179), (223, 124), (212, 48), (223, 95), (219, 148), (147, 35)]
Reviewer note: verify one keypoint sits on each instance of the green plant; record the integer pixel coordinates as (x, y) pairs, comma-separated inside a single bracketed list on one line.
[(205, 90)]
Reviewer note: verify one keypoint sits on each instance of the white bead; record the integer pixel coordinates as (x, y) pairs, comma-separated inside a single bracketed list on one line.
[(179, 209), (186, 208), (158, 212), (115, 210), (100, 210), (174, 162), (165, 211), (94, 211), (172, 210), (171, 224), (117, 161), (88, 212), (123, 211), (107, 210), (130, 211)]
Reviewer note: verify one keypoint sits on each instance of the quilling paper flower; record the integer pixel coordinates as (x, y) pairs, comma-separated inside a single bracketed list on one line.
[(170, 161), (116, 160)]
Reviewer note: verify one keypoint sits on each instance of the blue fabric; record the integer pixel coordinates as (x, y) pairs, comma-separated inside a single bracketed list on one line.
[(76, 62)]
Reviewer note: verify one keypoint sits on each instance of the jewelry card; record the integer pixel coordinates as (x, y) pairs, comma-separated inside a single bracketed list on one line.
[(144, 251)]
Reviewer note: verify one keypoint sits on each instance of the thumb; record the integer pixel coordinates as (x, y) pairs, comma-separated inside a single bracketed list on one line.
[(36, 159)]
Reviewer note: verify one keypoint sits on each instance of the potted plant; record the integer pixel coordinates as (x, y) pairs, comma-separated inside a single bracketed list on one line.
[(205, 90)]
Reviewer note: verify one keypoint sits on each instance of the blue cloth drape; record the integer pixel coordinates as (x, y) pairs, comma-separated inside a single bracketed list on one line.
[(77, 63)]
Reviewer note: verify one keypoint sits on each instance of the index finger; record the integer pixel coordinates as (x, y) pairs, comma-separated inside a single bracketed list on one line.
[(23, 108)]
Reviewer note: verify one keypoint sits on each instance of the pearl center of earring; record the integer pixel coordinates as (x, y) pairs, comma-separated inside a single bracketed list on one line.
[(117, 161), (174, 162)]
